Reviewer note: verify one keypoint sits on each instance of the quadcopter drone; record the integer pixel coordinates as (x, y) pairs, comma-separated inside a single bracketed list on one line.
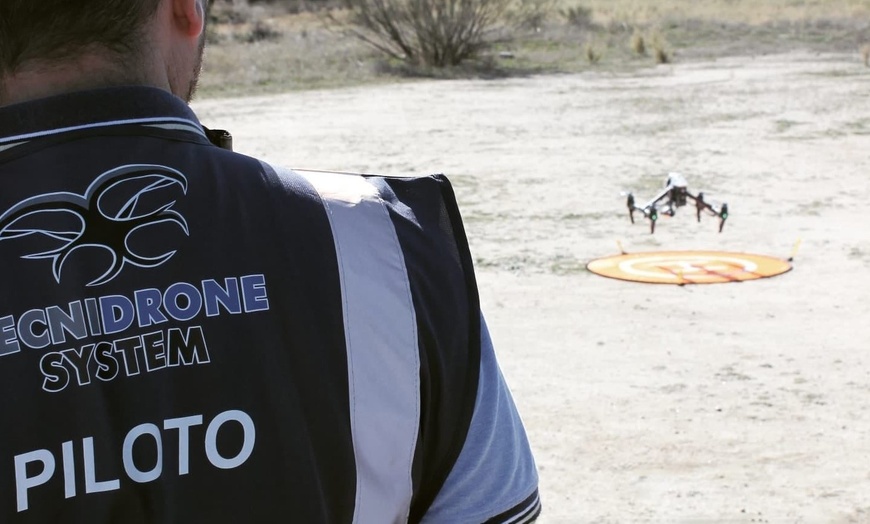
[(675, 194)]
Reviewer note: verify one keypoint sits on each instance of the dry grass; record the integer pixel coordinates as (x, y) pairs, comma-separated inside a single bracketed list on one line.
[(661, 49), (662, 55), (578, 16), (638, 43), (263, 51), (593, 54), (755, 12), (304, 55)]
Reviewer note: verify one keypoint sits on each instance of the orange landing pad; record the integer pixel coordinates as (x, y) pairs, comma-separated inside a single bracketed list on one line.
[(688, 267)]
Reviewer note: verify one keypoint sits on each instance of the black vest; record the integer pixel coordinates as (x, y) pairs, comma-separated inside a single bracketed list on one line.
[(175, 337)]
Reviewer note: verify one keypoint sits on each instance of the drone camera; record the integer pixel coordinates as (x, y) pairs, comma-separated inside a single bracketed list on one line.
[(678, 195)]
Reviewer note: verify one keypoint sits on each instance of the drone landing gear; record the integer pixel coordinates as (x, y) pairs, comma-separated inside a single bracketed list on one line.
[(701, 205), (723, 216), (649, 212)]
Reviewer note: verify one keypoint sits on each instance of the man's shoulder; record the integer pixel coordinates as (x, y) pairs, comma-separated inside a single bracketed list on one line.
[(423, 209)]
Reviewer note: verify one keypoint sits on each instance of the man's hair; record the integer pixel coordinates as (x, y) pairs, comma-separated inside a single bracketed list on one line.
[(46, 30)]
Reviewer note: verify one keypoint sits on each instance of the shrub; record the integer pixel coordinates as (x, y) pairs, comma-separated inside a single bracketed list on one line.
[(592, 54), (661, 53), (578, 16), (261, 32), (436, 33), (638, 43)]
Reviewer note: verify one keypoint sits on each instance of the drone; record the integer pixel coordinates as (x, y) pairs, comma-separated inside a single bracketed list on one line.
[(675, 195)]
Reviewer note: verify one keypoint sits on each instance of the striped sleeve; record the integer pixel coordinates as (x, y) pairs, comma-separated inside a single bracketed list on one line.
[(527, 511), (494, 479)]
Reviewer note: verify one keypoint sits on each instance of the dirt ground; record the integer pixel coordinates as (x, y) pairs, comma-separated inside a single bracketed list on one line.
[(745, 402)]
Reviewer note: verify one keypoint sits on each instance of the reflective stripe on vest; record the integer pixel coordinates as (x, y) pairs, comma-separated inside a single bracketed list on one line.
[(382, 349)]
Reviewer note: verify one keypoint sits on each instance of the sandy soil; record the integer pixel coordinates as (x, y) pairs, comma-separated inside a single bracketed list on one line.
[(722, 403)]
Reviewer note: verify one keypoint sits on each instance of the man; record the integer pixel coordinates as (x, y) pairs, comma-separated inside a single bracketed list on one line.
[(192, 335)]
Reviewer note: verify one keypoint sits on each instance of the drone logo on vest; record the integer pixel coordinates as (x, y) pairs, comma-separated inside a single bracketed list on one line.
[(106, 223)]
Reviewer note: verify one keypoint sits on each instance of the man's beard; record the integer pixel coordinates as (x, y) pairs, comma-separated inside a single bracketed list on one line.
[(194, 81)]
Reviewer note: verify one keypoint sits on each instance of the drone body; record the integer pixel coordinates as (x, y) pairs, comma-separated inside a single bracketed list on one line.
[(675, 195)]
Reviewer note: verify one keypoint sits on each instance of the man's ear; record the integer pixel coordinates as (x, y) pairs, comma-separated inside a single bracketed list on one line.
[(189, 17)]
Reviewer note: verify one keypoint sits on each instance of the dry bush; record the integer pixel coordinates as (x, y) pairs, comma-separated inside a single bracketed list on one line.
[(261, 31), (638, 43), (662, 55), (578, 16), (593, 55), (436, 33), (661, 51), (865, 52)]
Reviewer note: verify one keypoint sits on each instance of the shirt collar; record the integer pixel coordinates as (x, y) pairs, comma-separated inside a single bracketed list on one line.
[(97, 109)]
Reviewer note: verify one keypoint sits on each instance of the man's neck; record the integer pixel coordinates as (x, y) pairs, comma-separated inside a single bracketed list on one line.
[(33, 81)]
